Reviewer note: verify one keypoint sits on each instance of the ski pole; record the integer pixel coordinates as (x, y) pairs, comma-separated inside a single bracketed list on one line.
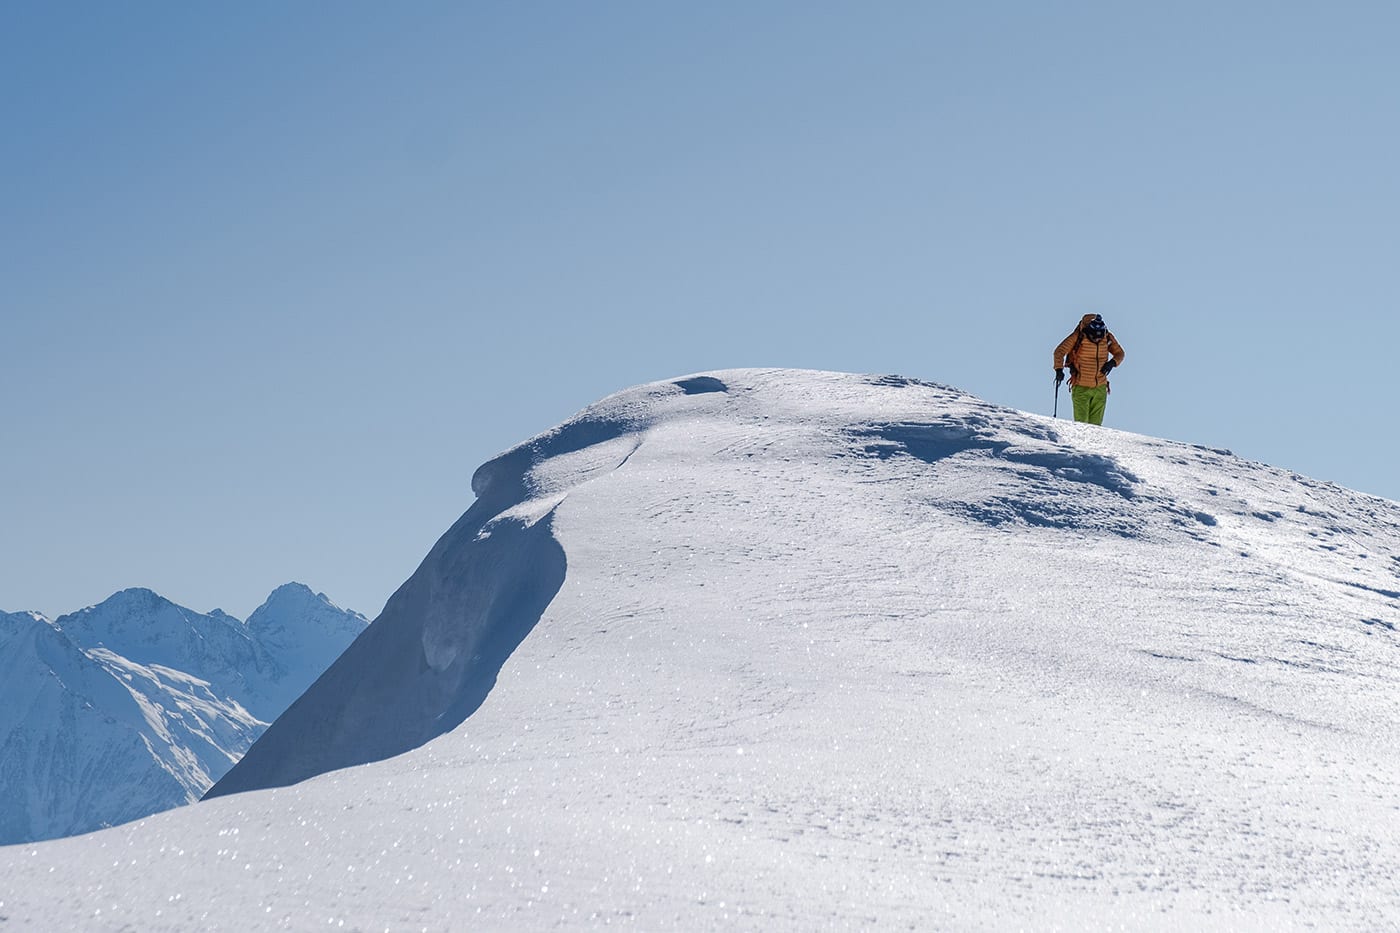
[(1057, 399)]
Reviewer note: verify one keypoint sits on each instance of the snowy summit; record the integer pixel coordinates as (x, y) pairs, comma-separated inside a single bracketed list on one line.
[(800, 650)]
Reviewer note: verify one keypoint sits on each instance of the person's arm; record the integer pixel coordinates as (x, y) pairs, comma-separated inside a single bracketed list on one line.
[(1062, 350), (1116, 355)]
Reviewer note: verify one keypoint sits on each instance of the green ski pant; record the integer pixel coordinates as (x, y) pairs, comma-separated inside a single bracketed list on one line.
[(1089, 403)]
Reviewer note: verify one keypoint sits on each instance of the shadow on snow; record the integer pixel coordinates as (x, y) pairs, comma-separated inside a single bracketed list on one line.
[(434, 654), (1040, 481)]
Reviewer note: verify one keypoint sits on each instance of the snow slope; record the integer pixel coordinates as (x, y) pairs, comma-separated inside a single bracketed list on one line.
[(796, 650), (137, 705)]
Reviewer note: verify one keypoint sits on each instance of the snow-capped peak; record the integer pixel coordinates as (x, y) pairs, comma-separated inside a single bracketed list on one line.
[(15, 625), (138, 704), (795, 650), (297, 603)]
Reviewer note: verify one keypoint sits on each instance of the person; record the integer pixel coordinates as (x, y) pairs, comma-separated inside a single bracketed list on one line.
[(1090, 353)]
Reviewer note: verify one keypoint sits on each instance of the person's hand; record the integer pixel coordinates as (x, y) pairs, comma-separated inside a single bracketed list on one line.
[(1059, 375), (1107, 367)]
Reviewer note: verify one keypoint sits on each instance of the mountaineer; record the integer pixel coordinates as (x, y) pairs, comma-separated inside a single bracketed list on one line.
[(1091, 352)]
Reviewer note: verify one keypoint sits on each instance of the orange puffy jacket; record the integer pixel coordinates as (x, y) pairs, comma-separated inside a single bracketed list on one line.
[(1085, 357)]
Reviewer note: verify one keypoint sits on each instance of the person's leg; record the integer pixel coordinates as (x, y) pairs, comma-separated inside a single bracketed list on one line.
[(1081, 402), (1097, 401)]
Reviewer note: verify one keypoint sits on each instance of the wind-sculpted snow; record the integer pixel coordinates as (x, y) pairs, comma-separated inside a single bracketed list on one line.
[(1028, 476), (431, 658), (792, 650), (426, 664), (699, 385)]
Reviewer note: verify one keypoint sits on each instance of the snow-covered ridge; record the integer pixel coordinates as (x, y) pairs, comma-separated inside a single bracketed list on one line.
[(137, 705), (485, 584), (776, 649)]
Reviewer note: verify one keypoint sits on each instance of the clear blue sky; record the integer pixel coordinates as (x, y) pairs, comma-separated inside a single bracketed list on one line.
[(276, 277)]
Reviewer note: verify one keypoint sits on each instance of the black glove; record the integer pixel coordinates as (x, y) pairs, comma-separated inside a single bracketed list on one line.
[(1107, 367), (1059, 375)]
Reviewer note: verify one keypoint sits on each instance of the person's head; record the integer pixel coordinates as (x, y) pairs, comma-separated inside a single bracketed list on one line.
[(1095, 329)]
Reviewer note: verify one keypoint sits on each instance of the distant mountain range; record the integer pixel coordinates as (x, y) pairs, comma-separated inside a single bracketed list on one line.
[(137, 705)]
